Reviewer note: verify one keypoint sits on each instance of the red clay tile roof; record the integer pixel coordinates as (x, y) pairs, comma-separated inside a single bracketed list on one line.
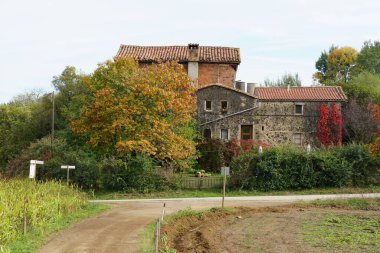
[(228, 88), (324, 93), (179, 53)]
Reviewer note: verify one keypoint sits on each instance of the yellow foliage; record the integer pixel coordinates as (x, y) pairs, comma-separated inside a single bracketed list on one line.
[(134, 109)]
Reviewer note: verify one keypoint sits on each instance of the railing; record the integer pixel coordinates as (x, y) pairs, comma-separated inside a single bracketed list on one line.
[(201, 182)]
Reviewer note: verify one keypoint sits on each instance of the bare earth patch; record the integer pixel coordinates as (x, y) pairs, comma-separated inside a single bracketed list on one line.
[(273, 229)]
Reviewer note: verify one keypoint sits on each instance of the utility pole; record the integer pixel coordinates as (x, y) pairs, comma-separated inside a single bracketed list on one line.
[(52, 123)]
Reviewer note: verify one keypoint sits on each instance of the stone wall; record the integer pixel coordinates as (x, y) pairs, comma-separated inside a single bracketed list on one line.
[(276, 122), (237, 102)]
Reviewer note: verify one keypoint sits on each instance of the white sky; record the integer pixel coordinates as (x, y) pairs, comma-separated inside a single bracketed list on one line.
[(39, 38)]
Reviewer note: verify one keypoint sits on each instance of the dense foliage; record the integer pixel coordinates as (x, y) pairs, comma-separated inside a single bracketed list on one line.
[(359, 75), (139, 110), (282, 168)]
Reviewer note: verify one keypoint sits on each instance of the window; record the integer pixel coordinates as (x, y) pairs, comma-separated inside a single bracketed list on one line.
[(246, 132), (224, 106), (262, 128), (207, 133), (297, 139), (208, 105), (299, 109), (224, 134)]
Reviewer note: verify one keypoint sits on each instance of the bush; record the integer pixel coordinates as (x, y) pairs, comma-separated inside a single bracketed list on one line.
[(212, 154), (283, 168), (364, 166), (137, 174), (242, 170), (330, 170)]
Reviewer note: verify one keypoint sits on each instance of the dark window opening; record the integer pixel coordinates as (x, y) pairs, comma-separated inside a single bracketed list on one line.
[(224, 106), (299, 109), (208, 105), (207, 133), (246, 132), (262, 128)]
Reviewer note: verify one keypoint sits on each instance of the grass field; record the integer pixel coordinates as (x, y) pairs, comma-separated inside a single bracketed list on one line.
[(44, 207)]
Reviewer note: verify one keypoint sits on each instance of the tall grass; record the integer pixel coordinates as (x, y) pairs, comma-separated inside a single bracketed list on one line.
[(42, 203)]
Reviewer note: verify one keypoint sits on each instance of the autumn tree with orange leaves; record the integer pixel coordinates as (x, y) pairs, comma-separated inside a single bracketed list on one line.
[(146, 110)]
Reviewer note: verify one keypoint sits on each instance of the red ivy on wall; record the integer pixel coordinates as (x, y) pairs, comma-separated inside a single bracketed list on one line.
[(330, 128), (337, 123), (323, 129)]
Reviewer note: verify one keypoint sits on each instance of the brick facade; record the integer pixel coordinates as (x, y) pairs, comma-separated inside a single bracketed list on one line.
[(210, 73)]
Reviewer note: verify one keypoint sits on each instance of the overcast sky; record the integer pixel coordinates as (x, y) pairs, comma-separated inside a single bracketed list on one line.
[(39, 38)]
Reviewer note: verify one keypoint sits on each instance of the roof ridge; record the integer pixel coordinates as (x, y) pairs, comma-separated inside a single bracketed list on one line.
[(227, 87)]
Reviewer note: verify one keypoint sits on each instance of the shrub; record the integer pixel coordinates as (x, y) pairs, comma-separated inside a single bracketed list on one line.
[(242, 170), (137, 174), (329, 169), (364, 166), (282, 168), (212, 154)]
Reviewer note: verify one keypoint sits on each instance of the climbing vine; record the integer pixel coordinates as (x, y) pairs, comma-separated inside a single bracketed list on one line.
[(330, 126), (323, 130)]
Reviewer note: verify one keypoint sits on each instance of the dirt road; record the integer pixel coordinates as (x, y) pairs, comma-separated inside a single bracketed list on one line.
[(117, 230)]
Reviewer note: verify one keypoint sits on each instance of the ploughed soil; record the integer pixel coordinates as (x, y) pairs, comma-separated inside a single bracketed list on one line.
[(268, 229)]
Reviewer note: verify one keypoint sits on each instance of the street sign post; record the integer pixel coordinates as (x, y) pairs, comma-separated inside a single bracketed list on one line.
[(225, 171), (32, 169), (68, 168)]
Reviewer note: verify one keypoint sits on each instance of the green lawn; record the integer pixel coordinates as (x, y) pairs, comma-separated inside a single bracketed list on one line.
[(217, 193)]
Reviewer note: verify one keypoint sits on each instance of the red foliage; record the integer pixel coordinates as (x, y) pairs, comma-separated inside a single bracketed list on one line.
[(330, 129), (323, 129), (337, 124), (236, 147)]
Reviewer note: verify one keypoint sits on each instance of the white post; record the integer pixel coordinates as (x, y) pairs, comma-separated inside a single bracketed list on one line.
[(68, 167), (308, 148), (225, 171), (260, 149), (32, 169)]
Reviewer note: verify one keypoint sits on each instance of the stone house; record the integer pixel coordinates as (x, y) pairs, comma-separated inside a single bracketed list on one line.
[(227, 110)]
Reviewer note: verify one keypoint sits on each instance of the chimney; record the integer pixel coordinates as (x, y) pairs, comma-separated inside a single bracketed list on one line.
[(192, 66), (251, 88)]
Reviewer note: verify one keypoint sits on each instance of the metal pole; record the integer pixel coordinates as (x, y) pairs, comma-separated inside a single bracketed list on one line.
[(68, 171), (224, 186)]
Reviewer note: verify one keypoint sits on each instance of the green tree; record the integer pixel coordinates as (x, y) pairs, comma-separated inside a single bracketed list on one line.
[(335, 67), (369, 57), (283, 81)]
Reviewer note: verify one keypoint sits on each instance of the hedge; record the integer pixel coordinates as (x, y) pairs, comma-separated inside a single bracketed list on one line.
[(285, 168)]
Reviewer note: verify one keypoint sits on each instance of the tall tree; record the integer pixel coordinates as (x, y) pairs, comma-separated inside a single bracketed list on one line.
[(285, 80), (335, 67), (143, 110), (369, 57)]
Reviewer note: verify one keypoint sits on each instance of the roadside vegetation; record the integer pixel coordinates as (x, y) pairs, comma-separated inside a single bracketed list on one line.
[(42, 207)]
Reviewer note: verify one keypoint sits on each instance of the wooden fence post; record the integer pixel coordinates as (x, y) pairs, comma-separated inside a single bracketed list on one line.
[(25, 220)]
